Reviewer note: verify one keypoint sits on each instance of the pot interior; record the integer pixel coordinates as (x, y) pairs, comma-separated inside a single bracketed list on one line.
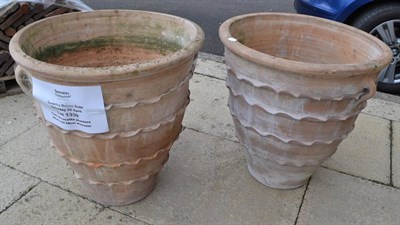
[(106, 54), (304, 39), (106, 38)]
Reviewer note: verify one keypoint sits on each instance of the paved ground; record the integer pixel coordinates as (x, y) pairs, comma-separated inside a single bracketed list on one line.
[(206, 180)]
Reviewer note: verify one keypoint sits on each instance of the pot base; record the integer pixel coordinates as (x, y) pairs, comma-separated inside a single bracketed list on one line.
[(119, 194), (269, 182)]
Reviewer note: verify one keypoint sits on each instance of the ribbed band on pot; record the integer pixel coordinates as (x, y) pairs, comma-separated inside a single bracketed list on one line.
[(290, 92), (123, 183), (289, 141), (115, 165), (236, 89), (155, 100), (109, 136)]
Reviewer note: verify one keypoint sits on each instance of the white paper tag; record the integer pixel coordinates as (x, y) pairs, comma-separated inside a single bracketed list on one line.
[(72, 107)]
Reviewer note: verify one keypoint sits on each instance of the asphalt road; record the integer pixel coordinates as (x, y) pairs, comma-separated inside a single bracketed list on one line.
[(209, 14)]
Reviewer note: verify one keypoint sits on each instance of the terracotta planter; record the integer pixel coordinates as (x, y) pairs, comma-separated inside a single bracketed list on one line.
[(143, 62), (297, 85)]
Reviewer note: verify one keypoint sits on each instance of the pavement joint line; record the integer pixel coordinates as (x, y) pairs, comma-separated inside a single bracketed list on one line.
[(23, 132), (210, 76), (66, 190), (362, 178), (128, 215), (212, 57), (73, 193), (370, 114), (90, 200), (302, 201), (391, 153), (23, 172), (20, 197), (51, 184), (213, 135)]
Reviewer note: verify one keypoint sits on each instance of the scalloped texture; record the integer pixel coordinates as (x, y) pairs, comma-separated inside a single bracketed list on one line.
[(119, 193), (124, 171), (117, 183), (293, 141), (297, 85), (272, 149), (115, 165), (109, 136), (145, 112), (117, 170), (134, 114), (301, 108), (289, 124), (121, 166), (119, 149), (287, 130), (155, 100), (286, 91), (124, 175)]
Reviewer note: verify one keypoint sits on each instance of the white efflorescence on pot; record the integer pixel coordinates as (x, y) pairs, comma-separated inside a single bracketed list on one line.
[(297, 84)]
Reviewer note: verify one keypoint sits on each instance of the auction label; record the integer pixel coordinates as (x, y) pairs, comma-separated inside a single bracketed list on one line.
[(72, 107)]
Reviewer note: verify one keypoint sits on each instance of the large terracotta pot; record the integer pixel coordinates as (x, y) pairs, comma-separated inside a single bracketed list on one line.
[(297, 84), (143, 62)]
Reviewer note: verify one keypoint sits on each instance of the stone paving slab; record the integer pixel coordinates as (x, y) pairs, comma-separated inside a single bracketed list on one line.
[(31, 153), (13, 185), (16, 113), (396, 154), (48, 205), (366, 151), (212, 57), (211, 68), (208, 111), (384, 109), (206, 182), (334, 198)]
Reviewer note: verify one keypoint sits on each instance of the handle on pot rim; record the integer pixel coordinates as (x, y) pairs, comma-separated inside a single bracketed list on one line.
[(367, 93), (23, 80)]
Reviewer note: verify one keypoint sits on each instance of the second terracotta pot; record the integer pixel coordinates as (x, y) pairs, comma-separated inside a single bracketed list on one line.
[(297, 84)]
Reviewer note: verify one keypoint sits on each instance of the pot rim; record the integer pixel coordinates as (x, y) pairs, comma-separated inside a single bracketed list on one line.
[(101, 74), (303, 68)]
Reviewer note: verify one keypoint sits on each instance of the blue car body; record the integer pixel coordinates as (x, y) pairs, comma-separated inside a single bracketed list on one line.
[(330, 9), (380, 18)]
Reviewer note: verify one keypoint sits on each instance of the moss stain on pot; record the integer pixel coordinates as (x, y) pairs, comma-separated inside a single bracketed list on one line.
[(150, 43), (241, 37)]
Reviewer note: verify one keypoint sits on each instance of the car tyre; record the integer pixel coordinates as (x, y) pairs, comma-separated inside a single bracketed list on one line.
[(368, 21)]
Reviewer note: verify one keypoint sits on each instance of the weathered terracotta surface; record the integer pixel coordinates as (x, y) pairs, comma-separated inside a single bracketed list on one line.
[(143, 62), (297, 85)]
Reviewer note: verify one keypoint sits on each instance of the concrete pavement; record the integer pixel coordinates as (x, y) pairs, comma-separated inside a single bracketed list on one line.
[(205, 180)]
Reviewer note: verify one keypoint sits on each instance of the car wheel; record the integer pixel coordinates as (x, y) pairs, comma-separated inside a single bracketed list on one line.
[(383, 22)]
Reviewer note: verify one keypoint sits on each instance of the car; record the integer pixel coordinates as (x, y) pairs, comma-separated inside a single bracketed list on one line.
[(380, 18)]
